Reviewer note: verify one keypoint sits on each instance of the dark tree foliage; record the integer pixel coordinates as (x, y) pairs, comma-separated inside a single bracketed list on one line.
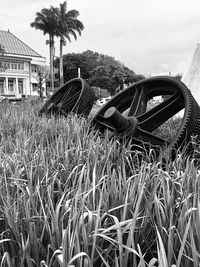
[(98, 70)]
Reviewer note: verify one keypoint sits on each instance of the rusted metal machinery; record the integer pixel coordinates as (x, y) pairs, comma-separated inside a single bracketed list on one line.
[(127, 114), (74, 96)]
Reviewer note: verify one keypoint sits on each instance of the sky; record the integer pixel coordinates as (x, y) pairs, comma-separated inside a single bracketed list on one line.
[(147, 36)]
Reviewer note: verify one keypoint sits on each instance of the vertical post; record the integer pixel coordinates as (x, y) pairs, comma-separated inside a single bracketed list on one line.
[(61, 62), (16, 87), (6, 91), (51, 48), (79, 73)]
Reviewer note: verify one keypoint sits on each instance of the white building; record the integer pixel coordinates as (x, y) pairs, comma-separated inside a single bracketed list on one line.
[(192, 76), (166, 73), (19, 75)]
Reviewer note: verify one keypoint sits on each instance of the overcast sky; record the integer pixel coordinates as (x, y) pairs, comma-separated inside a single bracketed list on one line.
[(148, 36)]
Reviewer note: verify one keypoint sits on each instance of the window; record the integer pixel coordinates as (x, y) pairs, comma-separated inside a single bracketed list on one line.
[(20, 65), (11, 85), (1, 86), (14, 65), (34, 86), (34, 68), (20, 86), (6, 64)]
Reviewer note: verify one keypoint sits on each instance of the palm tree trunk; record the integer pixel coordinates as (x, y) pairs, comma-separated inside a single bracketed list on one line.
[(51, 49), (61, 62)]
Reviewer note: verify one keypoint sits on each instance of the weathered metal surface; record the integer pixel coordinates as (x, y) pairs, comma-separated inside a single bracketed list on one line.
[(128, 114), (74, 96)]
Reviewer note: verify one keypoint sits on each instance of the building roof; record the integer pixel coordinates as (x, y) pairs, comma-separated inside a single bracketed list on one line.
[(15, 46)]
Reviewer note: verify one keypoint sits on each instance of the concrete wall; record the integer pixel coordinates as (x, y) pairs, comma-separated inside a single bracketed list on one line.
[(192, 77)]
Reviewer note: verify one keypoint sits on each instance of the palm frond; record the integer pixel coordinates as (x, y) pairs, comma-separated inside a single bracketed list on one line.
[(72, 32), (72, 13)]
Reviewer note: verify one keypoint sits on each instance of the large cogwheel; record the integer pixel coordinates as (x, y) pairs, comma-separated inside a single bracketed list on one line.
[(74, 96), (144, 111)]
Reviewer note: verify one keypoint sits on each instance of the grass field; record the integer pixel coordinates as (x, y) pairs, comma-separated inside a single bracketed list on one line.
[(70, 197)]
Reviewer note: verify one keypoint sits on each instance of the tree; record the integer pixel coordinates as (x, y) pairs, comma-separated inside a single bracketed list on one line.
[(98, 70), (129, 78), (100, 77), (68, 25), (86, 61), (40, 75), (46, 21)]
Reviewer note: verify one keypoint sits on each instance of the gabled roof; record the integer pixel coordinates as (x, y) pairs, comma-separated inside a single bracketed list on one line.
[(15, 46)]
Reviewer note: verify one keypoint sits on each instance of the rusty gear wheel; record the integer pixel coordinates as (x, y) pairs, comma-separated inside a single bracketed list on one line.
[(74, 96), (128, 114)]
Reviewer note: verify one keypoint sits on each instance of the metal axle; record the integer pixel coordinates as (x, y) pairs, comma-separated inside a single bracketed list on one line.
[(121, 124)]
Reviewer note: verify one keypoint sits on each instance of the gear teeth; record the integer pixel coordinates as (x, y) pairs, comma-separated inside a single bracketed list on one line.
[(190, 122)]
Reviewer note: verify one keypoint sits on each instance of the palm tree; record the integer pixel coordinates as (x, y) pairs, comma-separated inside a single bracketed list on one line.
[(46, 21), (68, 25)]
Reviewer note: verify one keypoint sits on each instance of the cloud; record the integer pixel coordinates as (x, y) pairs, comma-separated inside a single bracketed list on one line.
[(147, 36)]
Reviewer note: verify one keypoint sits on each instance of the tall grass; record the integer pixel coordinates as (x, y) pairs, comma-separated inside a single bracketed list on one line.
[(70, 197)]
